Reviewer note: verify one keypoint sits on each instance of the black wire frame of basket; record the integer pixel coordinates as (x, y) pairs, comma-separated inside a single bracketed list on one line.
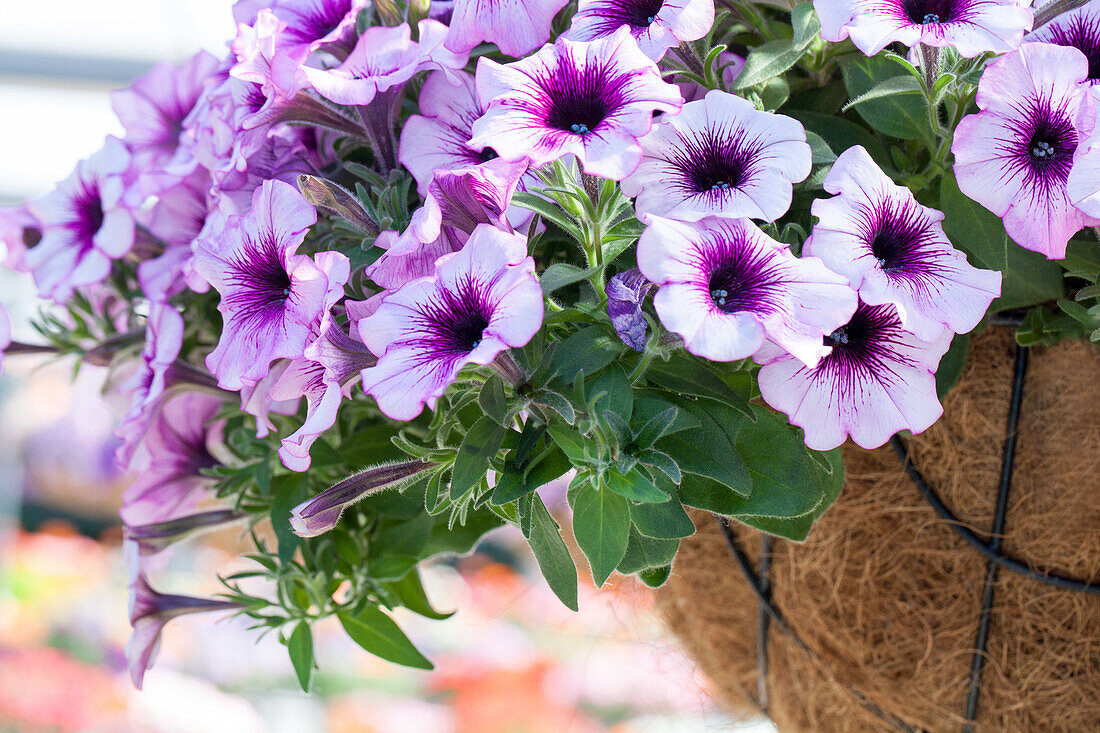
[(760, 581)]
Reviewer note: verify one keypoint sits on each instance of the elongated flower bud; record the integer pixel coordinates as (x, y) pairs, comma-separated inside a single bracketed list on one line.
[(154, 537), (320, 514), (149, 612), (334, 198)]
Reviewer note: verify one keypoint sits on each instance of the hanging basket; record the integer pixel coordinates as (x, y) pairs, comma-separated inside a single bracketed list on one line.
[(955, 585)]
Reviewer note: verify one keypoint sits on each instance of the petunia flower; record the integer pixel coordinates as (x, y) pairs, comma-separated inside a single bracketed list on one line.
[(517, 28), (85, 225), (437, 138), (315, 25), (271, 297), (657, 25), (893, 250), (174, 450), (149, 612), (163, 341), (19, 233), (971, 27), (1078, 28), (320, 514), (153, 111), (726, 287), (1083, 184), (481, 301), (588, 99), (877, 379), (384, 57), (626, 292), (1014, 157), (5, 333), (177, 218), (324, 375), (720, 157)]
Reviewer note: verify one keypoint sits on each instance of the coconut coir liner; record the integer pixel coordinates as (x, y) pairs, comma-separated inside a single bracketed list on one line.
[(887, 597)]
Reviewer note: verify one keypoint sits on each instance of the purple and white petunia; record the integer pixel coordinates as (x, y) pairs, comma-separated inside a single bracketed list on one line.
[(481, 301), (726, 287), (271, 297), (1014, 157), (149, 612), (971, 27), (163, 342), (153, 111), (5, 333), (174, 450), (588, 99), (383, 58), (893, 250), (1078, 28), (437, 138), (720, 157), (877, 379), (19, 232), (657, 25), (457, 201), (315, 25), (517, 28), (1083, 184), (324, 376), (85, 225)]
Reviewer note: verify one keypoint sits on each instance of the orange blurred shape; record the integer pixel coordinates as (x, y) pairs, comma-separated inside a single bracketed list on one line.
[(45, 689), (496, 700)]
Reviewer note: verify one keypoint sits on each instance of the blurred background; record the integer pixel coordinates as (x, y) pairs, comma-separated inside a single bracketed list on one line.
[(511, 660)]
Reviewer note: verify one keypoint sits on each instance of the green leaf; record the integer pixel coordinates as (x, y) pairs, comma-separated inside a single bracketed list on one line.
[(378, 634), (822, 153), (411, 592), (556, 402), (601, 524), (655, 427), (300, 646), (617, 393), (688, 375), (842, 134), (588, 350), (804, 24), (492, 400), (569, 441), (561, 274), (1028, 277), (472, 462), (547, 210), (552, 555), (663, 521), (903, 116), (784, 482), (710, 448), (635, 486), (289, 491), (548, 465), (951, 365), (830, 477), (904, 84), (775, 57), (655, 577), (643, 553)]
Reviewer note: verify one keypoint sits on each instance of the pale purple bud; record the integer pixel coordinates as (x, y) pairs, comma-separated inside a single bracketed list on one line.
[(625, 294), (320, 514)]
